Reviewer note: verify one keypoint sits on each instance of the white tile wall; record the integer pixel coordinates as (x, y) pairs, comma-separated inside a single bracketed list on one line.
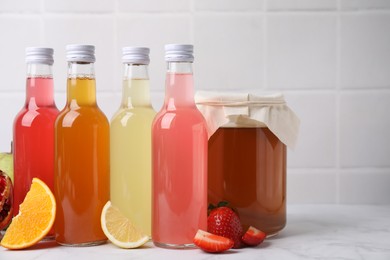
[(364, 4), (364, 50), (315, 186), (229, 51), (312, 5), (364, 129), (301, 51), (151, 31), (60, 98), (155, 6), (12, 50), (365, 186), (76, 6), (317, 130), (331, 58), (97, 30), (20, 6), (10, 105), (228, 5), (108, 102)]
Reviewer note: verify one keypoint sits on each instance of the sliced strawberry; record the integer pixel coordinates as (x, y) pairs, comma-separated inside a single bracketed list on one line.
[(212, 243), (253, 237)]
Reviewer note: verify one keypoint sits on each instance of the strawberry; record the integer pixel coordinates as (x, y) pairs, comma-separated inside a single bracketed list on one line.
[(253, 237), (212, 243), (223, 221)]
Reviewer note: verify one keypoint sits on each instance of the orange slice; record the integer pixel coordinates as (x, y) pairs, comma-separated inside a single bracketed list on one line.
[(119, 229), (35, 219)]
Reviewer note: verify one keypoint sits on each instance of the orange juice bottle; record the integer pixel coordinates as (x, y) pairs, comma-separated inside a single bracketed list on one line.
[(81, 155)]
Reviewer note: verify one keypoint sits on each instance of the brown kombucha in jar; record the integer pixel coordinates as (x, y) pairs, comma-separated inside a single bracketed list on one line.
[(247, 168)]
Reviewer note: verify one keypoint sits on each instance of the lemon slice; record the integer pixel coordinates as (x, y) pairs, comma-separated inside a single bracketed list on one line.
[(119, 229)]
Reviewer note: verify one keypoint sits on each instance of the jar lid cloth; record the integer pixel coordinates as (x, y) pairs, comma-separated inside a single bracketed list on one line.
[(247, 110)]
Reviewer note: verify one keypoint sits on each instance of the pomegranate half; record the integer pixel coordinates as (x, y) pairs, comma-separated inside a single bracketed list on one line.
[(6, 200)]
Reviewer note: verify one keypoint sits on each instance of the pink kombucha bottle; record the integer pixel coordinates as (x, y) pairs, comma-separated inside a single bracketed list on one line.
[(179, 157), (33, 131)]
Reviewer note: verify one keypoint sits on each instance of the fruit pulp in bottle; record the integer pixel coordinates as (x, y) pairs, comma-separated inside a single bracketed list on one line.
[(131, 170), (247, 168), (82, 166)]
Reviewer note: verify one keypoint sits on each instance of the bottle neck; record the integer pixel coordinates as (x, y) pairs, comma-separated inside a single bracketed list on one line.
[(135, 91), (81, 89), (179, 85), (39, 86)]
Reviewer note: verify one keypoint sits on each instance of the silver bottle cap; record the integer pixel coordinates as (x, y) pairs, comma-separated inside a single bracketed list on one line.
[(80, 53), (179, 52), (39, 55), (135, 55)]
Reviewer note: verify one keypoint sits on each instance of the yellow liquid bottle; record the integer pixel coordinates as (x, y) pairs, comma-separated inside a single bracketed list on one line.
[(130, 142), (81, 180)]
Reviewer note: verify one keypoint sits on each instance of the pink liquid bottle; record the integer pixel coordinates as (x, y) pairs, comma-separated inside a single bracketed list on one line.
[(179, 157), (33, 131)]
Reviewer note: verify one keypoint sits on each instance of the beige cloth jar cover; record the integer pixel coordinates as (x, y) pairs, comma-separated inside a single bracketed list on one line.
[(246, 110)]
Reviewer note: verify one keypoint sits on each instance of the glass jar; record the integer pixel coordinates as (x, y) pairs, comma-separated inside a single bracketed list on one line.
[(247, 155), (247, 168)]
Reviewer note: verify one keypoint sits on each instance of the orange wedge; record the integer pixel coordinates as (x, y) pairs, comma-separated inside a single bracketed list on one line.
[(35, 219)]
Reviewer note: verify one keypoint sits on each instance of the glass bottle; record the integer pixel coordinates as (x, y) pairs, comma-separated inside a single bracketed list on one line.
[(179, 157), (130, 142), (82, 167), (33, 130)]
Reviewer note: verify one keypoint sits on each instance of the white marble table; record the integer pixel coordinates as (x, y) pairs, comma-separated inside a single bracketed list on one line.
[(312, 232)]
